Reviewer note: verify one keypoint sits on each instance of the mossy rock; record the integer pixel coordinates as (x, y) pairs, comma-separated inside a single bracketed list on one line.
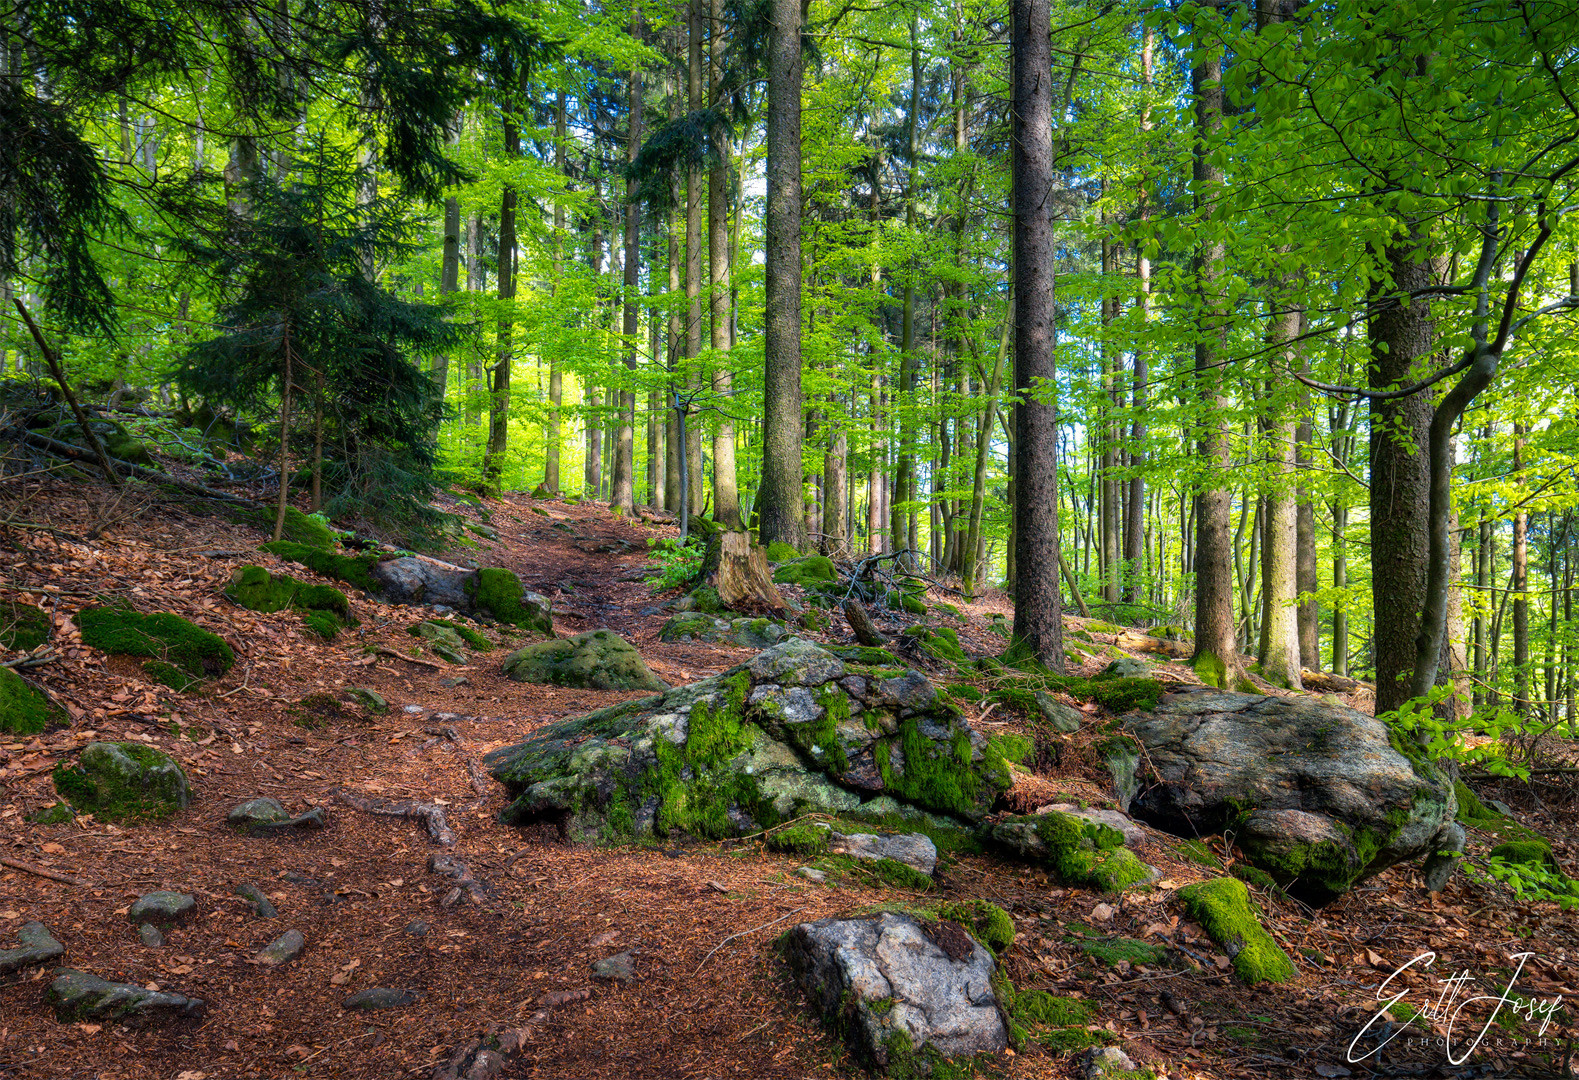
[(130, 449), (751, 633), (23, 627), (1526, 853), (25, 711), (299, 527), (1225, 911), (174, 646), (940, 643), (866, 655), (1471, 811), (499, 593), (1076, 851), (322, 623), (351, 569), (1253, 876), (58, 813), (813, 570), (705, 598), (597, 660), (779, 552), (123, 782), (987, 922), (465, 636), (324, 608), (900, 600)]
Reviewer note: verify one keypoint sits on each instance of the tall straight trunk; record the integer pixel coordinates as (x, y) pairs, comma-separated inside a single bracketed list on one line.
[(556, 383), (622, 486), (449, 279), (779, 500), (674, 351), (499, 410), (476, 282), (1521, 585), (1038, 606), (900, 514), (693, 261), (591, 395), (1135, 526), (1280, 647), (875, 484), (655, 419), (1482, 592), (1216, 657), (835, 488), (1112, 541), (726, 485), (287, 380), (978, 491)]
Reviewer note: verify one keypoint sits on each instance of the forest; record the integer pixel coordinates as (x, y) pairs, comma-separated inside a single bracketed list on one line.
[(1235, 333)]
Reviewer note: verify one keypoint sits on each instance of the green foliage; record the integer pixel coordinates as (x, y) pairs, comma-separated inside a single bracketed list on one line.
[(351, 569), (674, 562), (160, 636), (987, 922), (1111, 949), (23, 710), (303, 530), (23, 627), (1225, 911), (1528, 869)]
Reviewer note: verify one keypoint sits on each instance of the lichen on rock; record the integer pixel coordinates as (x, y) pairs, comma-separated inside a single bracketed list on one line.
[(598, 660)]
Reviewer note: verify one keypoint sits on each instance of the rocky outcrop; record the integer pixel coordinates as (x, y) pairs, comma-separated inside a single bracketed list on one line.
[(1319, 796), (794, 730), (597, 660), (895, 986)]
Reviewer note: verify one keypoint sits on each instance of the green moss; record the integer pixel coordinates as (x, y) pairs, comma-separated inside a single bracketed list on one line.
[(804, 839), (987, 922), (160, 636), (299, 527), (1088, 854), (322, 623), (810, 571), (499, 592), (96, 786), (479, 641), (963, 692), (940, 643), (169, 675), (1526, 853), (1223, 908), (1200, 854), (933, 778), (1471, 811), (695, 787), (1040, 1007), (351, 569), (1072, 1040), (1117, 694), (255, 589), (324, 598), (867, 655), (906, 601), (23, 710), (23, 627), (705, 599), (897, 874), (1114, 949), (1210, 669), (1250, 875), (53, 814)]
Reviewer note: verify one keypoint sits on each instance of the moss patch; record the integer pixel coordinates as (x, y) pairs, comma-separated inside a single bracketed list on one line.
[(1223, 908), (1115, 693), (23, 710), (1113, 949), (778, 551), (123, 782), (477, 640), (940, 643), (1252, 876), (1471, 811), (1526, 853), (804, 839), (1086, 853), (166, 639), (23, 627), (987, 922), (351, 569), (299, 527), (810, 571), (498, 592)]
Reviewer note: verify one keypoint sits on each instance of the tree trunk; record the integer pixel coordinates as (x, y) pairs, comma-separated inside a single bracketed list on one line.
[(905, 468), (556, 383), (1521, 585), (1038, 615), (449, 279), (743, 580), (1216, 656), (1280, 655), (475, 283), (693, 260), (499, 408), (779, 500), (726, 486), (622, 486)]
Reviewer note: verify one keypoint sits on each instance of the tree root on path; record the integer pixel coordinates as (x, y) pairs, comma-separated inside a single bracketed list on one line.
[(430, 814), (465, 884), (486, 1057), (479, 779)]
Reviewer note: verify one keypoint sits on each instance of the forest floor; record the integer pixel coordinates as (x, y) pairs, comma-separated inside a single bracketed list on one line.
[(710, 997)]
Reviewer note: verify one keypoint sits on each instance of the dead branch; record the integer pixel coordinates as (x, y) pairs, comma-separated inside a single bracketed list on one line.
[(465, 884), (430, 814), (861, 623), (742, 934), (44, 872)]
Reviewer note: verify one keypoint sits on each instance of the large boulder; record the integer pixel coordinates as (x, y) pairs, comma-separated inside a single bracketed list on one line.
[(1319, 796), (895, 986), (597, 660), (794, 730)]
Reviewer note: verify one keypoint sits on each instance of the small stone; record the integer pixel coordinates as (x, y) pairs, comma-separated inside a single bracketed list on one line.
[(260, 903), (282, 950), (1499, 806), (1059, 717), (149, 935), (450, 684), (38, 947), (1108, 1061), (449, 655), (77, 995), (257, 812), (162, 907), (379, 997), (915, 850), (417, 928), (621, 967), (811, 874), (413, 710), (1102, 913), (371, 700)]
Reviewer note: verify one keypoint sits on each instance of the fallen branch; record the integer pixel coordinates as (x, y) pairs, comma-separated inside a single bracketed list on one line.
[(742, 934), (30, 660), (451, 867), (430, 814), (142, 472), (861, 623), (44, 872), (1146, 643), (382, 651)]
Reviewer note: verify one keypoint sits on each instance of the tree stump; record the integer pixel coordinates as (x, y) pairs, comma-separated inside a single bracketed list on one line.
[(742, 577)]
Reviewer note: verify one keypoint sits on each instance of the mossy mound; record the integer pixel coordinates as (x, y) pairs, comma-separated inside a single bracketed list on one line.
[(940, 643), (351, 569), (499, 593), (704, 598), (751, 633), (1471, 811), (1114, 949), (23, 627), (987, 922), (803, 839), (1048, 1010), (123, 782), (23, 710), (1116, 693), (1076, 851), (1526, 853), (778, 552), (1252, 876), (299, 527), (598, 660), (811, 571), (1225, 911), (54, 814), (908, 602), (180, 653), (473, 638), (324, 608)]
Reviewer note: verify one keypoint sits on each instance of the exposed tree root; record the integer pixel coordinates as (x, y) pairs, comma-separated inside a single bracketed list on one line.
[(430, 814)]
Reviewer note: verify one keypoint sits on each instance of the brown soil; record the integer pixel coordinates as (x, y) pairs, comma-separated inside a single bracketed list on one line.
[(355, 888)]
